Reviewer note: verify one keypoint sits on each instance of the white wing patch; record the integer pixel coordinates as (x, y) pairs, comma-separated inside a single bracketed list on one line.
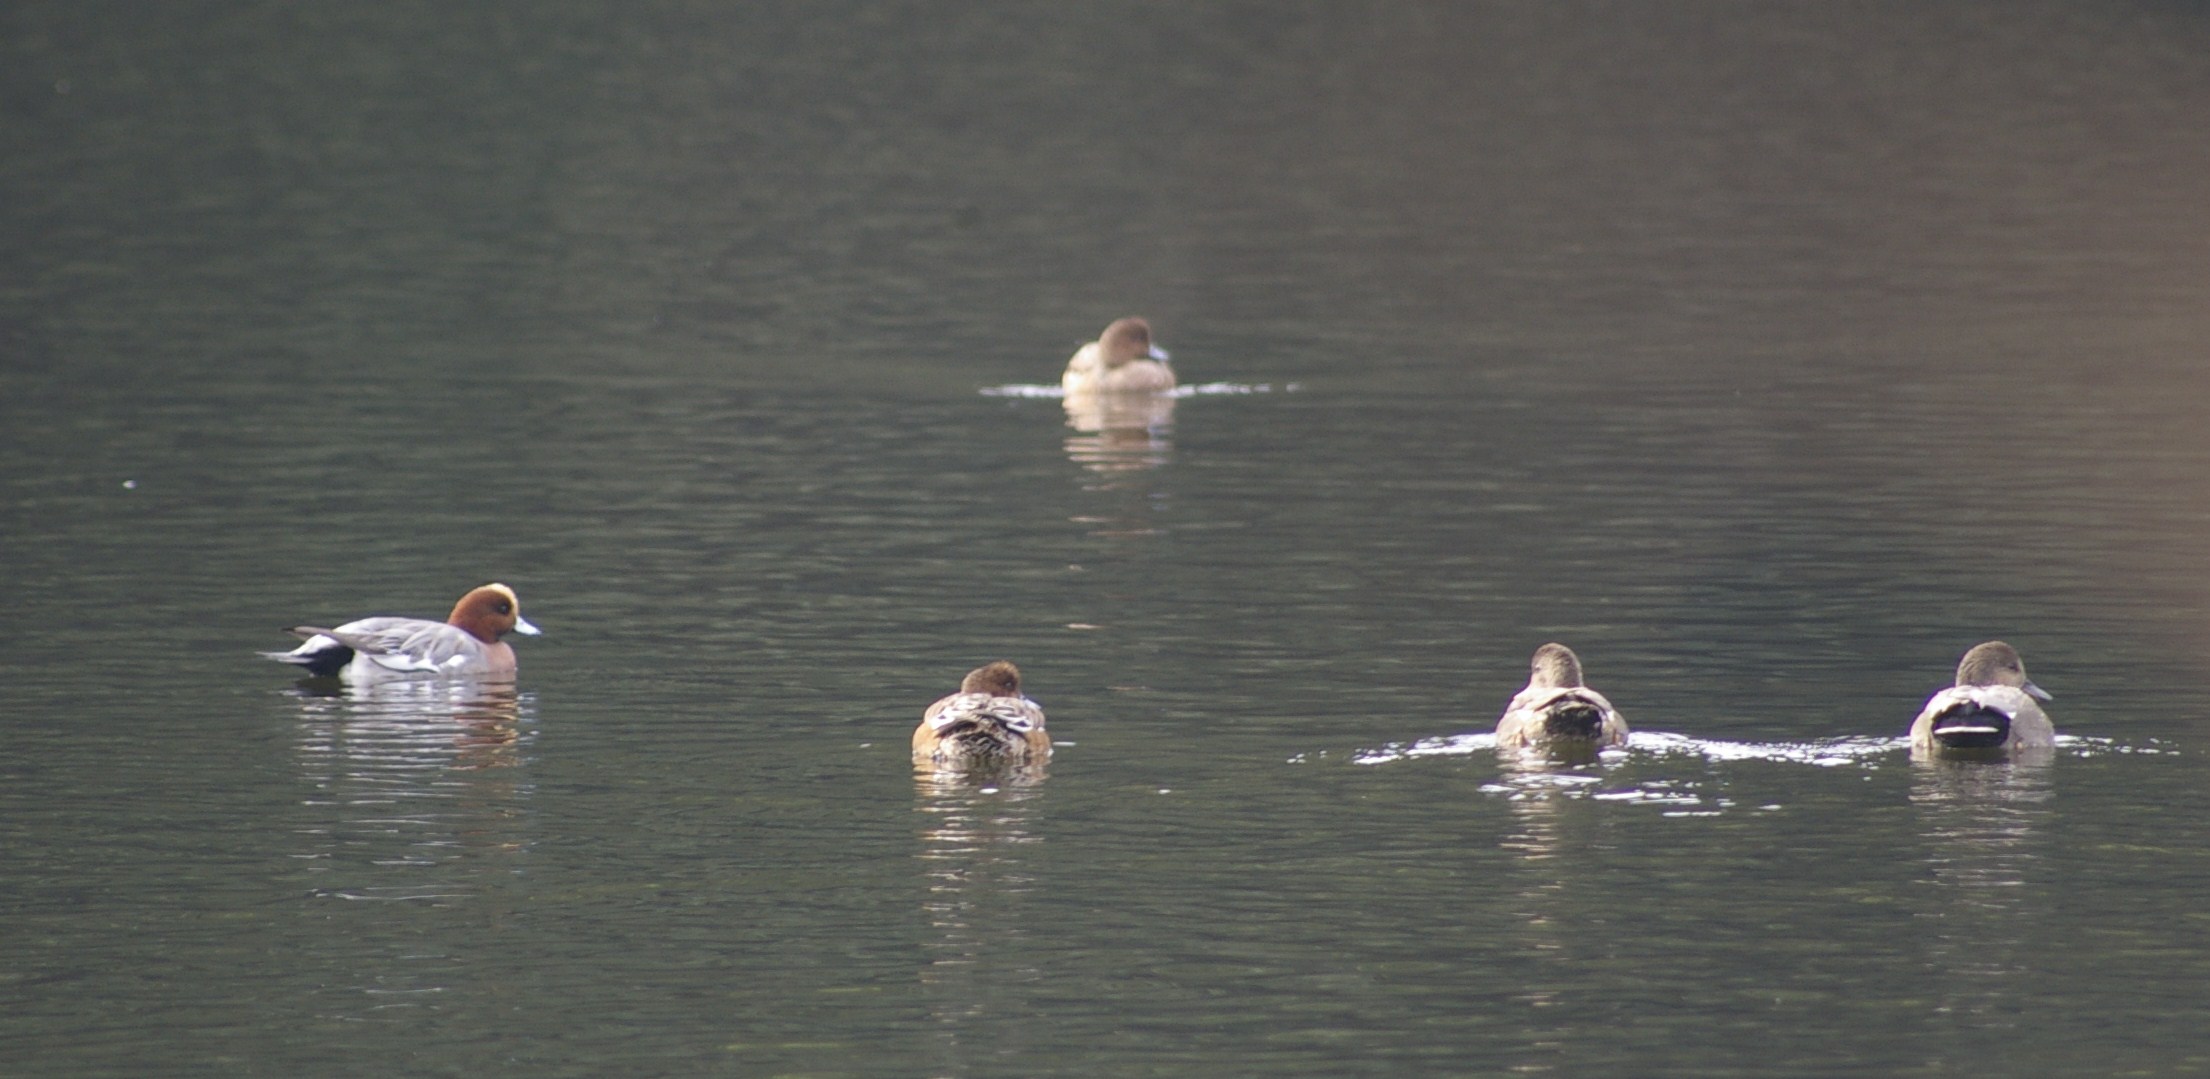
[(410, 644), (2002, 699)]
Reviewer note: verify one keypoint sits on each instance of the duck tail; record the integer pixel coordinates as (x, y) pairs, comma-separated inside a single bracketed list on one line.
[(1971, 727), (1575, 719), (977, 738), (322, 655)]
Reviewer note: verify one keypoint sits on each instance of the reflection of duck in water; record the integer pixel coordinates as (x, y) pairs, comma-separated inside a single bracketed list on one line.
[(416, 793), (1981, 822), (1120, 432), (1121, 360), (475, 722), (1123, 420), (1565, 916), (468, 642), (1556, 712), (1978, 818), (978, 967), (988, 723), (1992, 709)]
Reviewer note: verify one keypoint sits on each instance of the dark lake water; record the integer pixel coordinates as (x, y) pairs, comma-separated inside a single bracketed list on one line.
[(1769, 355)]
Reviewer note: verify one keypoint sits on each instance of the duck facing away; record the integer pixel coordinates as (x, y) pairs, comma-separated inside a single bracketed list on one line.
[(1557, 711), (1121, 360), (1993, 707), (468, 642), (986, 723)]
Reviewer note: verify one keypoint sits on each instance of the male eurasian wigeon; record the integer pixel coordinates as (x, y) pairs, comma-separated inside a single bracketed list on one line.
[(1121, 360), (987, 722), (372, 649), (1557, 711), (1992, 708)]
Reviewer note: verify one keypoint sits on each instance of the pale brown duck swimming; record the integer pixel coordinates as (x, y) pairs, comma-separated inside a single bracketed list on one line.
[(1121, 360), (1993, 708), (988, 722), (1557, 711)]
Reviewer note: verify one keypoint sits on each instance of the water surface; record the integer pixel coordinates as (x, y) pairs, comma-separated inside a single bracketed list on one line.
[(1769, 357)]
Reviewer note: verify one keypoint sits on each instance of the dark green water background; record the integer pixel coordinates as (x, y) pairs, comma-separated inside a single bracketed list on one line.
[(1770, 355)]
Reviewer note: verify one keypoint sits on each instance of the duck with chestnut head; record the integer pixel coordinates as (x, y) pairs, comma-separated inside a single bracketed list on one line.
[(470, 642)]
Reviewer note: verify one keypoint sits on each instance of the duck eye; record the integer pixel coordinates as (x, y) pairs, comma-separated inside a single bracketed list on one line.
[(505, 607)]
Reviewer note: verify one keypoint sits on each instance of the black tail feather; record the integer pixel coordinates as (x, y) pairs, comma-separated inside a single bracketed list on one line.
[(1574, 719), (321, 663), (1971, 728)]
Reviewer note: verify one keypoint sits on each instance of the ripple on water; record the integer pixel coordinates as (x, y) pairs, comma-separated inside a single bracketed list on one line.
[(1620, 775), (1822, 752), (1202, 389)]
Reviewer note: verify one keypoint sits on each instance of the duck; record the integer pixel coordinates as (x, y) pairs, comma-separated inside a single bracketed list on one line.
[(1993, 707), (1121, 360), (468, 643), (1556, 710), (988, 722)]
